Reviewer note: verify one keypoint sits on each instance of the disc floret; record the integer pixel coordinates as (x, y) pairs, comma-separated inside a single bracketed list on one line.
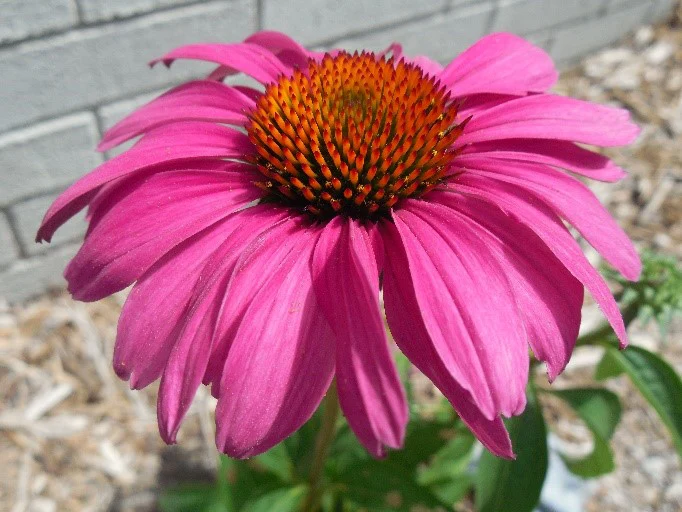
[(353, 135)]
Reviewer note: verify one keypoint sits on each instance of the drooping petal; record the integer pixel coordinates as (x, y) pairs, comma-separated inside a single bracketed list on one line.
[(546, 116), (500, 63), (251, 59), (285, 48), (263, 400), (160, 149), (556, 153), (549, 297), (189, 357), (143, 220), (200, 100), (411, 335), (265, 252), (454, 280), (346, 283), (159, 302), (545, 223), (573, 201)]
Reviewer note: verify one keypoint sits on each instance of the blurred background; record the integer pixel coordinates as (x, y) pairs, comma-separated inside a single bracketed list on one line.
[(72, 437)]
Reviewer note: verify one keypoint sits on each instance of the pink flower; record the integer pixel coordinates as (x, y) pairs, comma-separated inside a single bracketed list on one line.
[(259, 227)]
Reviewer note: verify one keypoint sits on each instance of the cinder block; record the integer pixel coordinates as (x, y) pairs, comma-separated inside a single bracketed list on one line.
[(110, 114), (440, 37), (101, 64), (8, 245), (315, 21), (105, 10), (47, 156), (582, 38), (27, 18), (30, 277), (619, 5), (524, 16), (662, 10), (27, 216)]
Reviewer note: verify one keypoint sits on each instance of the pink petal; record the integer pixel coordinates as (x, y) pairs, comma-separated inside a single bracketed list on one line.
[(250, 59), (573, 201), (428, 66), (410, 332), (200, 100), (189, 358), (549, 297), (482, 344), (544, 222), (564, 155), (162, 146), (395, 49), (500, 63), (267, 249), (346, 283), (158, 304), (478, 103), (193, 337), (285, 48), (545, 116), (146, 218), (282, 360)]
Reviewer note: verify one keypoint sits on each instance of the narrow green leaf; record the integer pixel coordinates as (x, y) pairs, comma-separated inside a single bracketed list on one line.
[(280, 500), (515, 485), (600, 409), (655, 379)]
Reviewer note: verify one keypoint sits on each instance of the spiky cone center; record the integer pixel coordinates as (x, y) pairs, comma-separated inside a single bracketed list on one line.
[(353, 135)]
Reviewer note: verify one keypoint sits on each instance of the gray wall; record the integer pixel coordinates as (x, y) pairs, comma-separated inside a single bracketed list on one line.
[(71, 68)]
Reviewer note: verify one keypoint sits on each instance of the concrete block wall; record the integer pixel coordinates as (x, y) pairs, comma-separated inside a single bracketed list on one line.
[(71, 68)]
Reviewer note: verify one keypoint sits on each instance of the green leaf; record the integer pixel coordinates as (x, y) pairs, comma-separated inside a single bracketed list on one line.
[(280, 500), (452, 459), (447, 474), (599, 462), (384, 486), (423, 439), (600, 410), (609, 366), (189, 498), (277, 461), (655, 379), (454, 489), (515, 485), (301, 445)]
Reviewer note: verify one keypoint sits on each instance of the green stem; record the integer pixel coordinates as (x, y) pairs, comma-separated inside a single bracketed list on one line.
[(322, 444)]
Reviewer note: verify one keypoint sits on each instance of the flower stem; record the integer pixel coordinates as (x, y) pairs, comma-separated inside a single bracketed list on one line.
[(322, 444)]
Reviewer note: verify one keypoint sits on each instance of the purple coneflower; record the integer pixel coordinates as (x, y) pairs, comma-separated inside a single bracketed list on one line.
[(259, 227)]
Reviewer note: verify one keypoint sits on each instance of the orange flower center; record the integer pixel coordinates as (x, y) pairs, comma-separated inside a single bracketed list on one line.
[(353, 135)]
